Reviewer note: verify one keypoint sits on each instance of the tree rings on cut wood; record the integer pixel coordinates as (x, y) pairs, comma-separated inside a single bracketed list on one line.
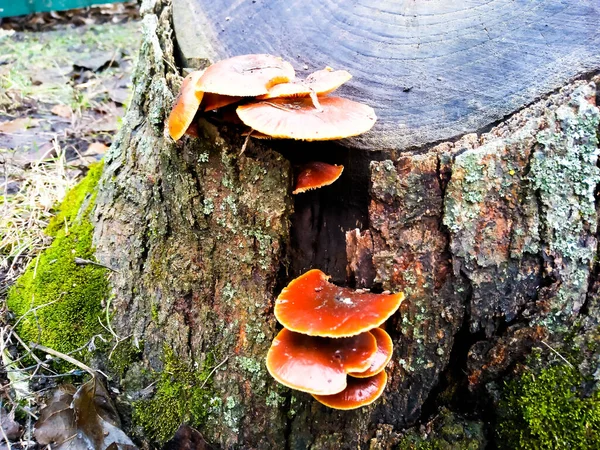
[(432, 70)]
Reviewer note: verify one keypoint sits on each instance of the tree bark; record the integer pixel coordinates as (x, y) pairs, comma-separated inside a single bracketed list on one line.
[(492, 237)]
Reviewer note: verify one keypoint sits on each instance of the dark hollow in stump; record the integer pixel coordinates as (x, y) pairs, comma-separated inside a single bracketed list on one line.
[(491, 236)]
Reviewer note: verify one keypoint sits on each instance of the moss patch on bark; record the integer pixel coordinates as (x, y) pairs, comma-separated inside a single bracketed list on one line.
[(549, 410), (182, 396), (68, 296)]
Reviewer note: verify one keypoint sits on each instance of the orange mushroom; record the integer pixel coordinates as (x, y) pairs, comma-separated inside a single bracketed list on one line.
[(186, 105), (359, 392), (321, 82), (385, 347), (298, 118), (313, 306), (246, 75), (215, 101), (318, 365), (315, 175)]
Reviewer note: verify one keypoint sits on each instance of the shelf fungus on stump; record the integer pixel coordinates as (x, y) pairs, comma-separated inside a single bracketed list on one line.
[(325, 328), (291, 109), (382, 357), (359, 392), (317, 365), (298, 118), (186, 106), (321, 82), (246, 75), (312, 305), (314, 175)]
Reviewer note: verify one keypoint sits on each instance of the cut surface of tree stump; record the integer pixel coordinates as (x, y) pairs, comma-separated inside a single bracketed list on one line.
[(432, 70)]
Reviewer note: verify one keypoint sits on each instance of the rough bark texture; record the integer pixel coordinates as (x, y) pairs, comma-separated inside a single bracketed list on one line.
[(491, 236)]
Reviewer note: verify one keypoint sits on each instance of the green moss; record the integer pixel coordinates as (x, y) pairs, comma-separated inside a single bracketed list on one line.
[(549, 411), (182, 396), (446, 432), (123, 356), (70, 207), (73, 293)]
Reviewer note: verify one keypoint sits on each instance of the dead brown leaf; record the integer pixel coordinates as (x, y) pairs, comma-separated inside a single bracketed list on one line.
[(10, 427), (20, 124), (95, 148), (80, 420), (186, 438), (62, 111)]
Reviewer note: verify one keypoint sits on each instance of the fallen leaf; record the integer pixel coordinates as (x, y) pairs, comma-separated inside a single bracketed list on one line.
[(96, 61), (95, 148), (10, 427), (119, 95), (12, 126), (62, 111), (186, 438), (56, 424), (82, 420)]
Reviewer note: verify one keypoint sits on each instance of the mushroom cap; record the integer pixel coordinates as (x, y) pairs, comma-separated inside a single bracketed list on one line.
[(215, 101), (186, 105), (245, 75), (318, 365), (297, 118), (321, 82), (316, 174), (311, 305), (385, 347), (359, 392)]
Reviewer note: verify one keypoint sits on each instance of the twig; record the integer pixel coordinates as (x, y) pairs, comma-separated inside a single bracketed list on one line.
[(33, 355), (67, 358), (213, 371), (559, 355), (246, 143), (83, 262)]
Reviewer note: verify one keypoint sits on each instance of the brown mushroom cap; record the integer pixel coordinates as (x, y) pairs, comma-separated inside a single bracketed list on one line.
[(321, 82), (316, 174), (186, 105), (297, 118), (318, 365), (215, 101), (359, 392), (385, 347), (313, 306), (245, 75)]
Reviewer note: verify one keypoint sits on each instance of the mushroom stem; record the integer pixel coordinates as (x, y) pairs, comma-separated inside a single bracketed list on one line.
[(315, 100)]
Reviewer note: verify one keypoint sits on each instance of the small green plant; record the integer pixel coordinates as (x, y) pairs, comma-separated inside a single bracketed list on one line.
[(549, 411)]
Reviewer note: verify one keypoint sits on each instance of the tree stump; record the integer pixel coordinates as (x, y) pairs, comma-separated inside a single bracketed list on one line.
[(492, 235)]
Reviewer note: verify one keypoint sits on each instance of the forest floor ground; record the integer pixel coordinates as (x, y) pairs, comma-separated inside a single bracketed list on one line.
[(65, 81)]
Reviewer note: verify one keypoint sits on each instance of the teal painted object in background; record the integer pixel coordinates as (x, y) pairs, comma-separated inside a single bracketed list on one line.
[(9, 8)]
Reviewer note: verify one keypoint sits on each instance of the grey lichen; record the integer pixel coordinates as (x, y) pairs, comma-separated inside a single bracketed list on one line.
[(565, 175)]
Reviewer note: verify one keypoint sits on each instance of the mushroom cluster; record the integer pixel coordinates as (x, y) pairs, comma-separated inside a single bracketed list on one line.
[(331, 346), (274, 104)]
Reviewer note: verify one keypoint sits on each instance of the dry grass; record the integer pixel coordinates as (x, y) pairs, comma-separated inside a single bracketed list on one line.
[(24, 215)]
